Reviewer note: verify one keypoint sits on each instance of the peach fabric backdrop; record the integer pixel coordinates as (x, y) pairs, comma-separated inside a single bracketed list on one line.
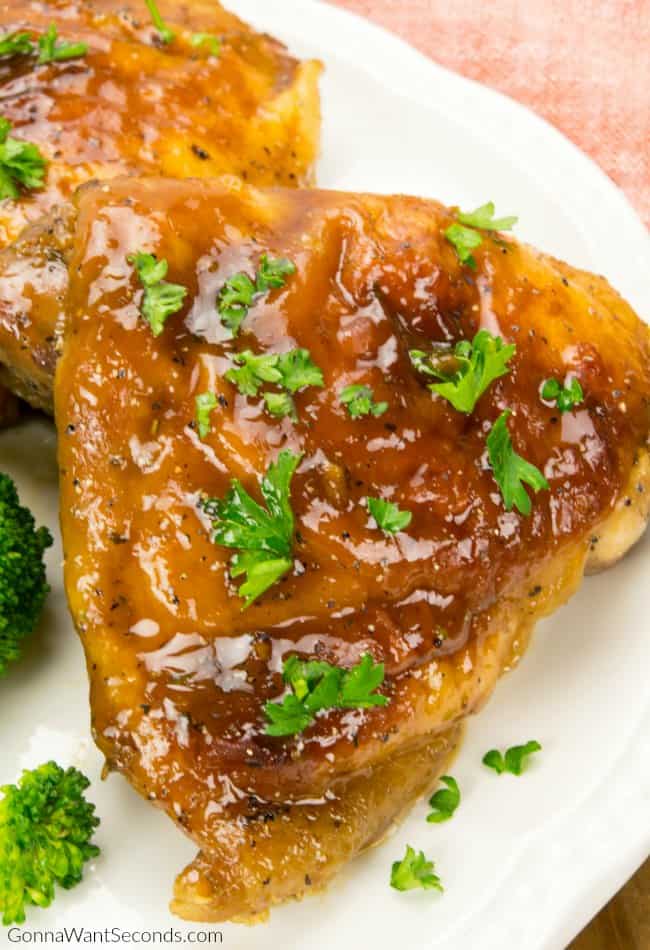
[(582, 64)]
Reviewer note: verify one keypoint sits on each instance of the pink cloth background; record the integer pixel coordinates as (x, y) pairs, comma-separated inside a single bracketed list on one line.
[(582, 64)]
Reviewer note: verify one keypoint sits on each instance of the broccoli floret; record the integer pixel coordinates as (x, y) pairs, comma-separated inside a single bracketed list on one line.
[(23, 586), (45, 829)]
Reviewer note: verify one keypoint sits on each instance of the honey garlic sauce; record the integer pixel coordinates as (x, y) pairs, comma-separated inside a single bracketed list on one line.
[(179, 671), (133, 104)]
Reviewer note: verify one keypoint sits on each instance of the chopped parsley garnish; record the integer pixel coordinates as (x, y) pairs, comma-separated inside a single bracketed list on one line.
[(280, 405), (358, 685), (510, 470), (483, 218), (465, 240), (253, 371), (515, 759), (414, 871), (16, 44), (317, 685), (234, 301), (298, 370), (565, 398), (291, 371), (359, 401), (213, 42), (273, 272), (468, 370), (464, 234), (21, 164), (161, 299), (388, 516), (263, 536), (287, 718), (445, 801), (53, 51), (166, 35), (238, 294), (205, 403)]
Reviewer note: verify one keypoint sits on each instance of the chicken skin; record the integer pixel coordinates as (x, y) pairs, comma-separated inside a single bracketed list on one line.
[(184, 658), (135, 104), (216, 98)]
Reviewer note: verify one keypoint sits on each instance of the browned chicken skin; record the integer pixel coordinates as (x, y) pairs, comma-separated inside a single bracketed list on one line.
[(257, 854), (33, 285), (134, 105), (179, 673)]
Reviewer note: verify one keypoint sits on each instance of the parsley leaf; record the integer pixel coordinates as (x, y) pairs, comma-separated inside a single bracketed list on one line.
[(445, 801), (477, 365), (16, 44), (238, 294), (214, 42), (21, 164), (52, 51), (298, 370), (565, 398), (514, 760), (161, 299), (465, 240), (359, 401), (302, 676), (359, 683), (261, 572), (272, 272), (388, 516), (166, 35), (287, 718), (253, 371), (280, 405), (317, 685), (263, 535), (463, 234), (292, 371), (205, 403), (510, 470), (414, 871), (484, 219), (234, 301)]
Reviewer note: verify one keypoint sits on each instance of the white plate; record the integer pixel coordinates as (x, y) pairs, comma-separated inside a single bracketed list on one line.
[(526, 861)]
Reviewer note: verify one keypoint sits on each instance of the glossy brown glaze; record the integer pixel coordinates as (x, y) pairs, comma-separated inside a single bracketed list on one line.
[(258, 855), (178, 671), (133, 105)]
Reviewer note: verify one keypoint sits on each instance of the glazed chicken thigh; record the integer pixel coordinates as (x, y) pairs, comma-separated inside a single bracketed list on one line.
[(135, 104), (186, 645), (217, 97)]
